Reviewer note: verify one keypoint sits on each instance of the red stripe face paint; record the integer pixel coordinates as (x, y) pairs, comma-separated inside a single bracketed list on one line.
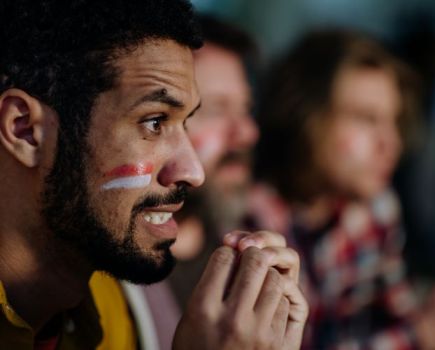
[(130, 170), (129, 176)]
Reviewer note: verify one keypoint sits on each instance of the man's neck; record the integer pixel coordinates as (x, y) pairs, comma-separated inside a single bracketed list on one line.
[(40, 280)]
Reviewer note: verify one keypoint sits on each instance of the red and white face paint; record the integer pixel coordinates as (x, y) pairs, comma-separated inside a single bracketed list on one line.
[(128, 176)]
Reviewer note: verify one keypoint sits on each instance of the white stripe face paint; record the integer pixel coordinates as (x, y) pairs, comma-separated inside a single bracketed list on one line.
[(128, 182), (128, 176)]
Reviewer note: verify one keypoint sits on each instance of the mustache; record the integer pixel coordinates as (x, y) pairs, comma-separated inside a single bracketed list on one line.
[(176, 196)]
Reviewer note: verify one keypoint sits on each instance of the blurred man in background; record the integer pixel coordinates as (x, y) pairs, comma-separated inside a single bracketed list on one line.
[(223, 135)]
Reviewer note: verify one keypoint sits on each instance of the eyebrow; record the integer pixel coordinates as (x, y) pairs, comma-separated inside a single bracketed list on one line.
[(161, 96)]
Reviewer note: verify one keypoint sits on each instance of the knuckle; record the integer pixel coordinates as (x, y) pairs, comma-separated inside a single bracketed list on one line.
[(235, 329), (271, 295), (274, 280), (264, 340), (283, 310), (256, 259), (305, 309), (272, 287), (223, 256), (251, 251), (284, 304), (199, 311), (300, 311), (238, 330), (278, 345), (296, 257), (281, 239)]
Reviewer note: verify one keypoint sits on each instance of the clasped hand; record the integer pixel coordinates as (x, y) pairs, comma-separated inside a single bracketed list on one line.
[(247, 298)]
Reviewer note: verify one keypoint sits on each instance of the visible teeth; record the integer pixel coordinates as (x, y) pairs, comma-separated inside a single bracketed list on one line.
[(157, 218)]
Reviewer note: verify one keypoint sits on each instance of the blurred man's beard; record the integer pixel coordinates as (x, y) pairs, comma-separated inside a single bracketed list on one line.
[(242, 156), (72, 220), (232, 173), (226, 208), (226, 198)]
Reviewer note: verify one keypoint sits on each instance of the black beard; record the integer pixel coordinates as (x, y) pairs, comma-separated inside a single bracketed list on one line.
[(71, 219)]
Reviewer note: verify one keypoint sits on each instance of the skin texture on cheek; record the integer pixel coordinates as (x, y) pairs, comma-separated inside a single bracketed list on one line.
[(128, 176), (210, 147), (353, 149), (355, 166)]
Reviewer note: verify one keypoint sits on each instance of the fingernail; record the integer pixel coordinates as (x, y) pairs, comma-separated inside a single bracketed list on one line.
[(230, 239), (248, 242)]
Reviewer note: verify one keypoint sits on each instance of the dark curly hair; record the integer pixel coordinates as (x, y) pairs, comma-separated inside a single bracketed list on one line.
[(61, 52)]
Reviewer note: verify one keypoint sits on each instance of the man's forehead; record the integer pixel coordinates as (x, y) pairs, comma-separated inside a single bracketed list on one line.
[(157, 64), (162, 55)]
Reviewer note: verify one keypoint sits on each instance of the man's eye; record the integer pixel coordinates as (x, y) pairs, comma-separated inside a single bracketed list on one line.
[(154, 125)]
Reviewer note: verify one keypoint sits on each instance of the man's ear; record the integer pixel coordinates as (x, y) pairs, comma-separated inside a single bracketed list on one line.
[(22, 120)]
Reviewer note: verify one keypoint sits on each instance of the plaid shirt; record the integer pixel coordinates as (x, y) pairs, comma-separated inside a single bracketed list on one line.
[(354, 279)]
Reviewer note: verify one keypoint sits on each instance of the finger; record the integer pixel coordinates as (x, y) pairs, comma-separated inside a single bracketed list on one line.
[(249, 278), (286, 260), (280, 320), (262, 239), (276, 286), (233, 238), (298, 314), (269, 298), (298, 304), (215, 278)]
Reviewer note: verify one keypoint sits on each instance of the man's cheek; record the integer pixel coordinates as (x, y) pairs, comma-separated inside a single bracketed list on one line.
[(113, 210), (354, 148), (210, 147)]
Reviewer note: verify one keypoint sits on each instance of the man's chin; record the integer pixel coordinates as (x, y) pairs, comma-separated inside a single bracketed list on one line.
[(143, 271), (140, 267)]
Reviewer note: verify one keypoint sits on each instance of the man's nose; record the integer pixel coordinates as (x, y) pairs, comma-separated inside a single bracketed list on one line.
[(182, 165)]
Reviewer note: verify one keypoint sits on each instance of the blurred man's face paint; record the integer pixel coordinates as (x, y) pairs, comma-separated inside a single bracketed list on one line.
[(225, 133)]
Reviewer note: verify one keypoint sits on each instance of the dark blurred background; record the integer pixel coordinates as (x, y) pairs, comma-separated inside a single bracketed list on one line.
[(278, 23)]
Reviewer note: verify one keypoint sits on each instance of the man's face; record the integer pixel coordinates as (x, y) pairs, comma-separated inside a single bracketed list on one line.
[(361, 144), (224, 133), (137, 163)]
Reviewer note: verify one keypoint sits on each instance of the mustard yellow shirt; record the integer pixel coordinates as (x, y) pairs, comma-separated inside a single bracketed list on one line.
[(101, 321)]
